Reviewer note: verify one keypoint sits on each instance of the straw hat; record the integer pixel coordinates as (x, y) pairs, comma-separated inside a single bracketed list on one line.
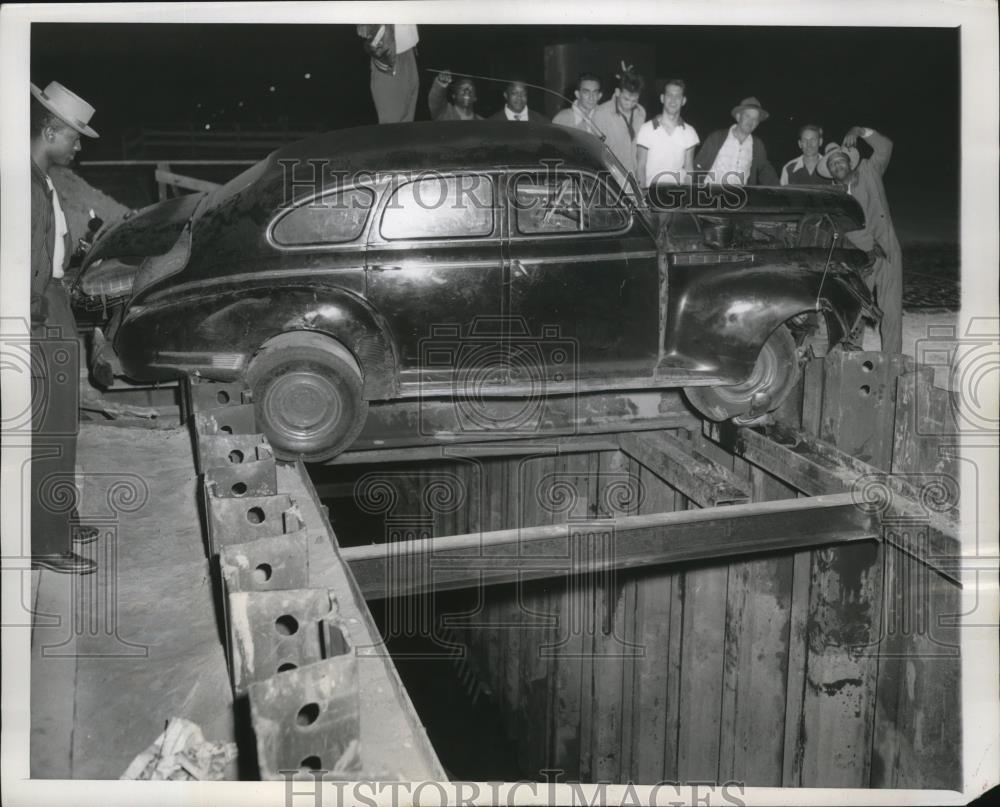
[(67, 106), (851, 154), (750, 103)]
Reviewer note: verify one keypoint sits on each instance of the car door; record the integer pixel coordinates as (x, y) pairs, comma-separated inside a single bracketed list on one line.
[(583, 271), (434, 273)]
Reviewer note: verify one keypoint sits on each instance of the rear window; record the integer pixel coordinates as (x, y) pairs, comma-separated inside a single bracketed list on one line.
[(335, 218), (695, 232), (440, 207)]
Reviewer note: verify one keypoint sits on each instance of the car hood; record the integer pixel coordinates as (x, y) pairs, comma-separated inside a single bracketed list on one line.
[(151, 231)]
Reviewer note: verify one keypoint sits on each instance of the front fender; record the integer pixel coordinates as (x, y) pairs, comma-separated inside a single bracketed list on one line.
[(719, 315), (214, 334)]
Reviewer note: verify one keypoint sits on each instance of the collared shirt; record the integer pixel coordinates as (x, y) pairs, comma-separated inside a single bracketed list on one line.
[(665, 151), (59, 249), (732, 163), (795, 172), (618, 138), (512, 115), (576, 118)]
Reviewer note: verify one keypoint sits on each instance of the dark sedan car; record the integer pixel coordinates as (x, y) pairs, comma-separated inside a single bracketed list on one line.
[(470, 259)]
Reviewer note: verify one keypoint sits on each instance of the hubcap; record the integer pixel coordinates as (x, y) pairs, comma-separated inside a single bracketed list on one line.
[(301, 403)]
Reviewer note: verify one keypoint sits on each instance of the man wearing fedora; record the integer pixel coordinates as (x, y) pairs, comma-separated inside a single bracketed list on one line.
[(736, 155), (58, 119), (862, 179)]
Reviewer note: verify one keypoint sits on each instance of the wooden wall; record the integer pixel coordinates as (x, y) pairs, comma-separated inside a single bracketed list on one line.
[(830, 668)]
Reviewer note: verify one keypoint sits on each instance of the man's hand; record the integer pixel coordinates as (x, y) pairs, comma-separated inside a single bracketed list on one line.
[(444, 79), (851, 138)]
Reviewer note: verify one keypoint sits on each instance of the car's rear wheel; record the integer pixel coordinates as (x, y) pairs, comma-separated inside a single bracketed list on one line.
[(774, 376), (307, 396)]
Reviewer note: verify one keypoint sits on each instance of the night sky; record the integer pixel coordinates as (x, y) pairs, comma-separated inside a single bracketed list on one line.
[(904, 82)]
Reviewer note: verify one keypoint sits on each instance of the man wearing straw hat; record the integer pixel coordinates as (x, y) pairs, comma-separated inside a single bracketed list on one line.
[(736, 155), (58, 119), (862, 179)]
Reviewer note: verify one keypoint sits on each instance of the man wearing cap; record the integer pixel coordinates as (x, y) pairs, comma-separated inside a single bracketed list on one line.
[(802, 169), (58, 119), (736, 155), (862, 179), (516, 107)]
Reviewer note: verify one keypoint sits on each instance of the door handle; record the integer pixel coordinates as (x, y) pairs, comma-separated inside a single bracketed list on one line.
[(379, 267), (518, 268)]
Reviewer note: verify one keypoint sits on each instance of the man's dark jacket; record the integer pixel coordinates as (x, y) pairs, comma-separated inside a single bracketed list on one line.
[(761, 171), (43, 242)]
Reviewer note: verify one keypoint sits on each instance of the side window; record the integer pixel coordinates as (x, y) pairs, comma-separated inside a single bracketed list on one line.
[(440, 207), (562, 203), (332, 219)]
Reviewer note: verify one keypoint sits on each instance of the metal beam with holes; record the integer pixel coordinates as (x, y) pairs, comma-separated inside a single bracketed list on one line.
[(813, 466), (604, 545)]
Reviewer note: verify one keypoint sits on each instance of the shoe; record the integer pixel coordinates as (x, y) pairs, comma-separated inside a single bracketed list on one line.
[(85, 535), (64, 563)]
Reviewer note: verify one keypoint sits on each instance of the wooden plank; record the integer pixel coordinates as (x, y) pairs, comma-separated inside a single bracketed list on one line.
[(702, 662), (539, 552), (704, 481), (654, 596), (757, 653), (919, 676), (566, 679), (188, 183)]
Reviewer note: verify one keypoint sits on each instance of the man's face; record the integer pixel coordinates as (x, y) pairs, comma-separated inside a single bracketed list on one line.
[(748, 120), (840, 167), (62, 142), (464, 93), (588, 95), (626, 100), (673, 99), (810, 142), (517, 97)]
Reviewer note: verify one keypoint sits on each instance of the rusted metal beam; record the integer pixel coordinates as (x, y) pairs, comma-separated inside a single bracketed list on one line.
[(816, 467), (507, 448), (603, 545), (437, 421), (678, 464)]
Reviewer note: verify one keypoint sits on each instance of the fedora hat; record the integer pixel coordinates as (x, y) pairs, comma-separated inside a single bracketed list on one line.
[(750, 103), (67, 106), (852, 155)]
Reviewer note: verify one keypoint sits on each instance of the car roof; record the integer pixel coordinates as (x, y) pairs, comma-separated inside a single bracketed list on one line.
[(446, 146)]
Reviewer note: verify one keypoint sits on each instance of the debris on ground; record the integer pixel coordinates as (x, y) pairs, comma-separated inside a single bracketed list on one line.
[(182, 752)]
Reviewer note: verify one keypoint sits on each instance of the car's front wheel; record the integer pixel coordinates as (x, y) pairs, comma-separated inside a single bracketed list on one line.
[(774, 376), (307, 396)]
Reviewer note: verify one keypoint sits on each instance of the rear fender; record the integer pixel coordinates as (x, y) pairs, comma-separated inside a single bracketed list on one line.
[(719, 316), (215, 335)]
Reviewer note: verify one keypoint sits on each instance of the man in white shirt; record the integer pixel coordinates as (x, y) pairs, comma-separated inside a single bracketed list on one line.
[(581, 114), (394, 79), (516, 106), (665, 145)]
